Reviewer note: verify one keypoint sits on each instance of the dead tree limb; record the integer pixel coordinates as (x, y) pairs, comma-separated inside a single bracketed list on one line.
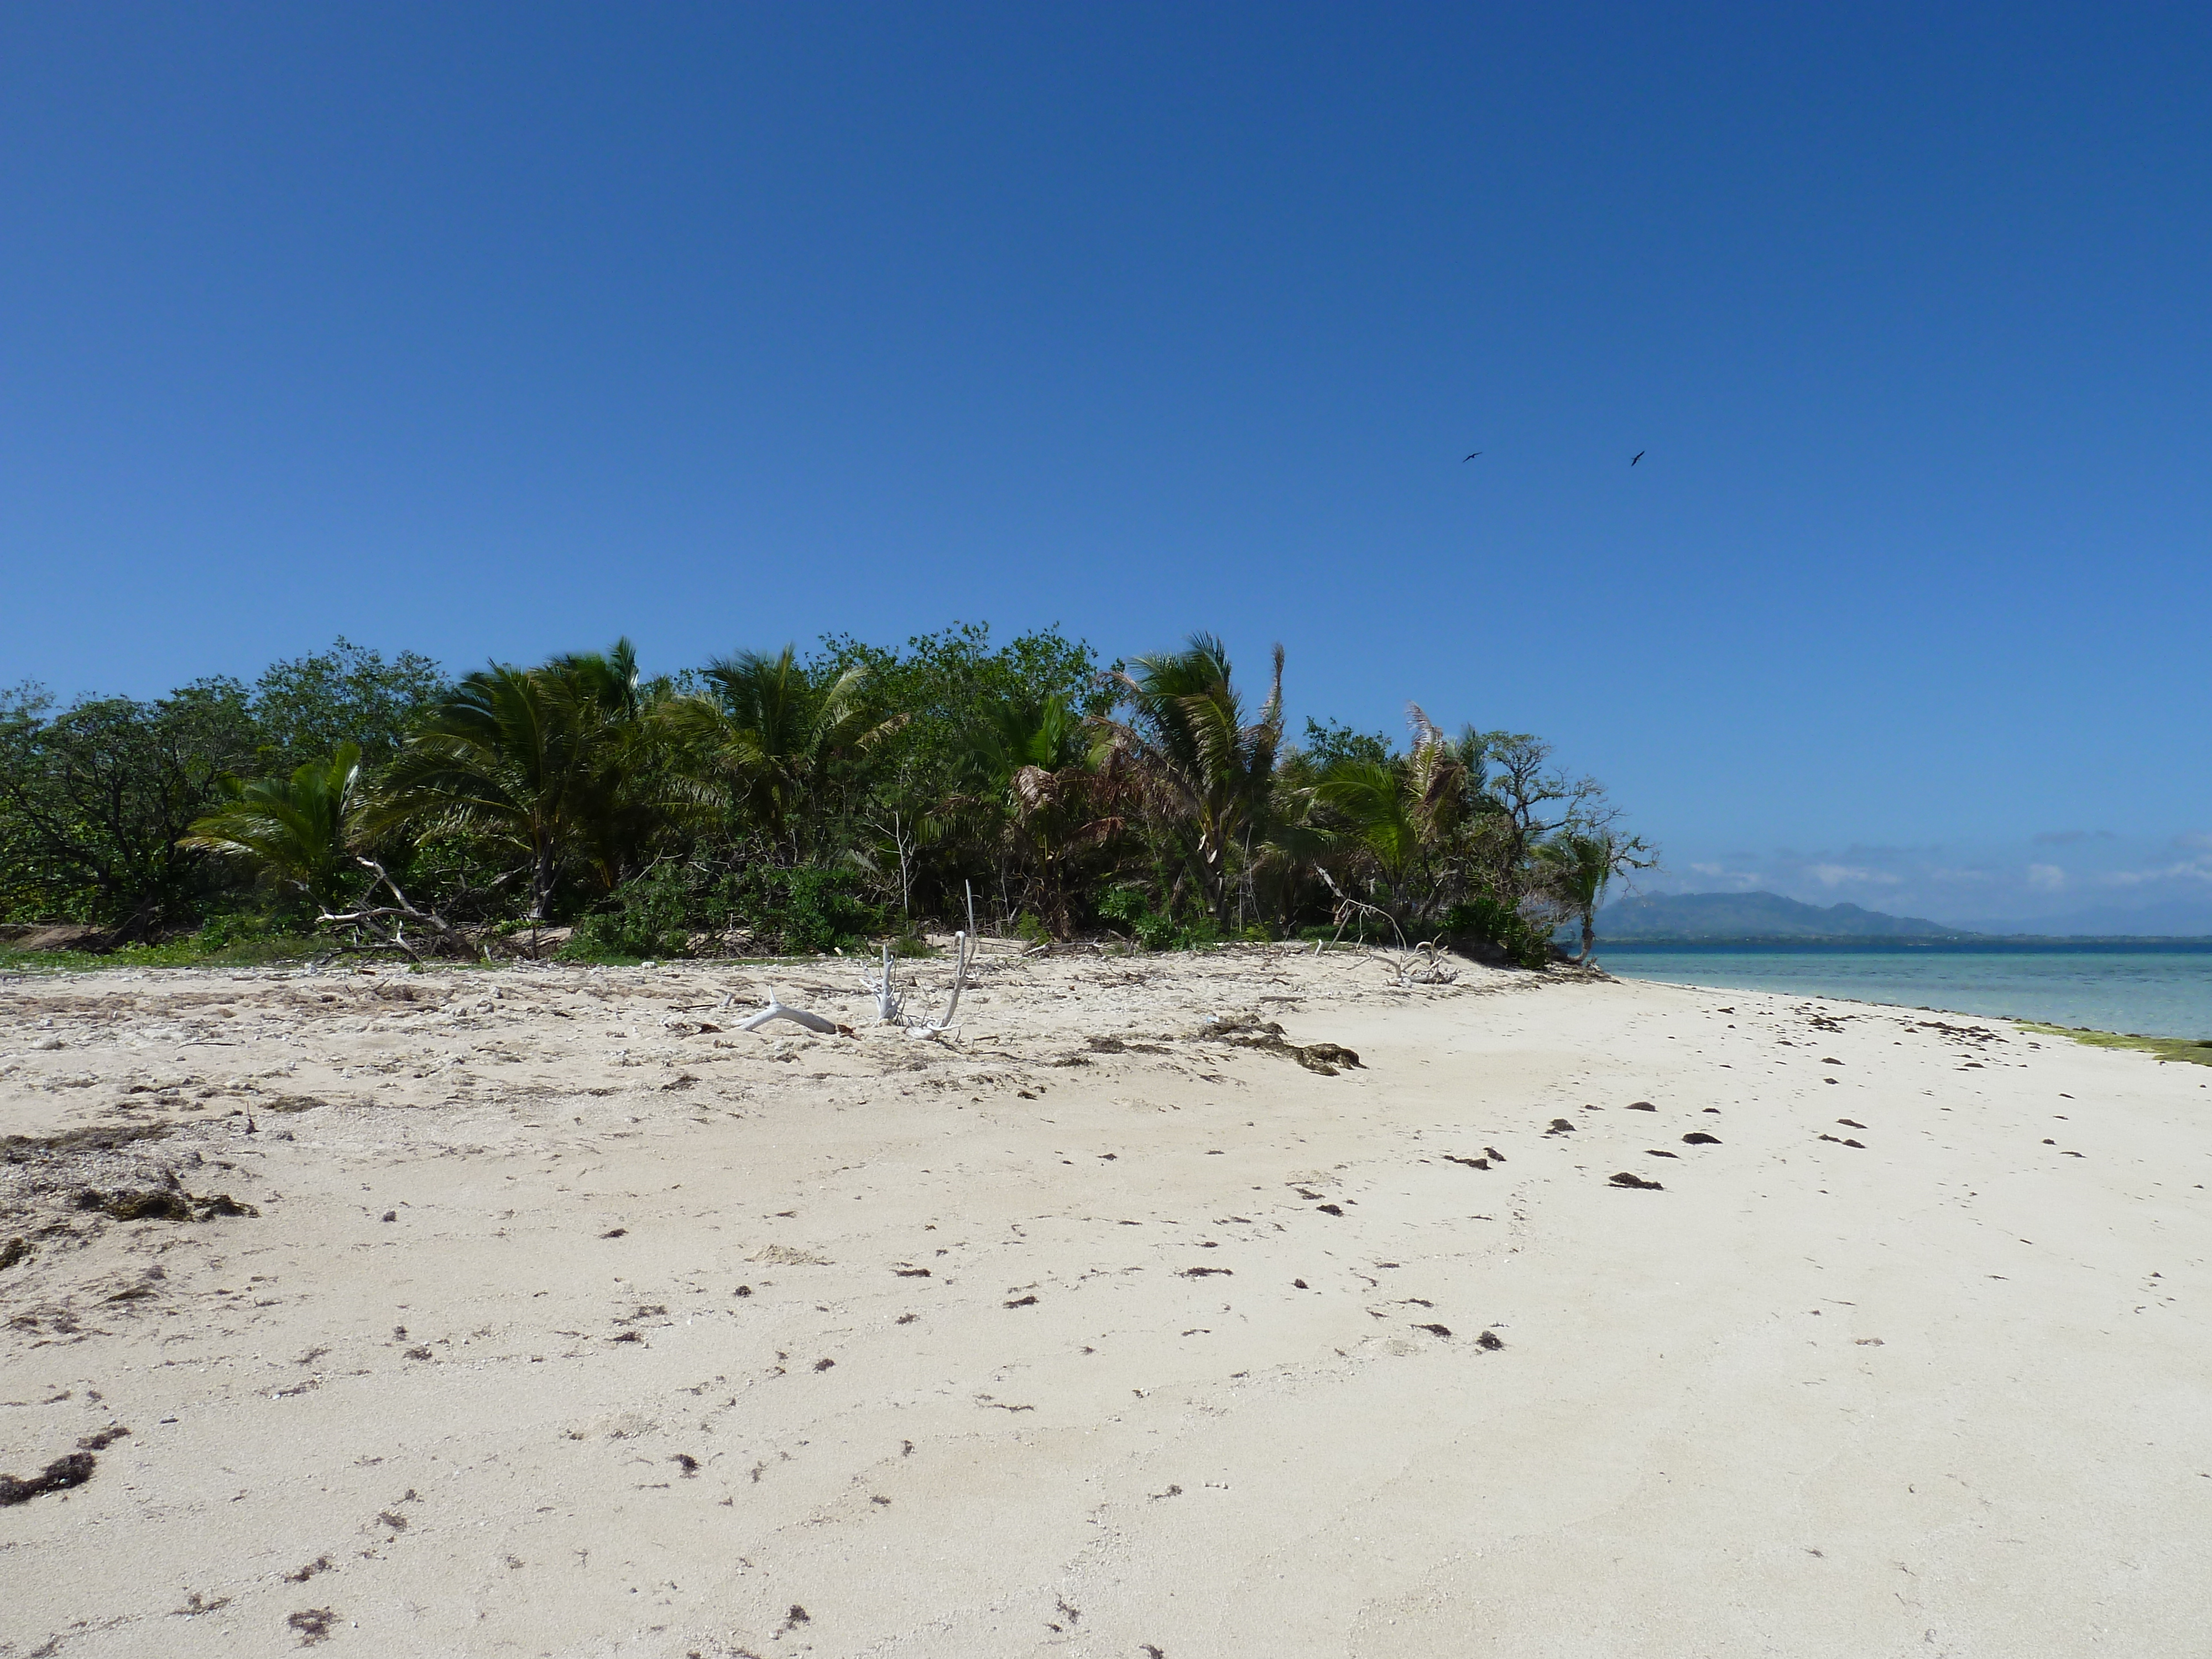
[(384, 926)]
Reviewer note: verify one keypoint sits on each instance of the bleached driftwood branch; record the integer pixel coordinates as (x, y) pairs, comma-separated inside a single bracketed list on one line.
[(885, 989), (384, 926), (959, 974), (1422, 963), (1426, 965), (947, 1025), (775, 1010)]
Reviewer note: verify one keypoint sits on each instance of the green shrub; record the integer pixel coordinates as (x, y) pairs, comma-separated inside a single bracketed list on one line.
[(802, 912), (1133, 909), (1486, 928), (651, 915), (808, 910)]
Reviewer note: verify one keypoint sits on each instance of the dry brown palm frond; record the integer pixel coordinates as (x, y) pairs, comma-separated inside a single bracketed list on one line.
[(1435, 778), (1036, 790)]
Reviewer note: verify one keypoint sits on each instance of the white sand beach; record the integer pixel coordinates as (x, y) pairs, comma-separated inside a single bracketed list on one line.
[(571, 1320)]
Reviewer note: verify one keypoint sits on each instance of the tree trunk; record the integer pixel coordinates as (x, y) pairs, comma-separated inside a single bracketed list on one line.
[(1213, 880), (541, 882)]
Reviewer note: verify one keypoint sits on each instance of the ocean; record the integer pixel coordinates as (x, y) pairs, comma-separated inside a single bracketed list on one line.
[(2149, 992)]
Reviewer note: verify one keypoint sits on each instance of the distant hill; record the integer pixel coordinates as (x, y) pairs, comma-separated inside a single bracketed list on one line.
[(1755, 915)]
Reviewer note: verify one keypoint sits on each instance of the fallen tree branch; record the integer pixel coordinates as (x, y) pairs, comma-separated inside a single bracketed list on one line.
[(945, 1026), (775, 1010), (1427, 965), (384, 926), (885, 989), (1423, 964)]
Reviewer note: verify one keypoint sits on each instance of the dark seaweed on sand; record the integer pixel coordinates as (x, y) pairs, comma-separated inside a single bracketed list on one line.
[(314, 1625), (60, 1476)]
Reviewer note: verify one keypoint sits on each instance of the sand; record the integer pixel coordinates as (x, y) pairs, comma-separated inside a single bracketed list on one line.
[(567, 1324)]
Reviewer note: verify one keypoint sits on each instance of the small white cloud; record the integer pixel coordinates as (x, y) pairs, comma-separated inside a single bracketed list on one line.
[(2045, 877), (2194, 838), (2072, 837), (2189, 869), (1835, 875), (1743, 880)]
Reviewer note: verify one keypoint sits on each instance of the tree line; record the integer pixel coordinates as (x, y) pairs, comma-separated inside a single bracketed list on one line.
[(772, 802)]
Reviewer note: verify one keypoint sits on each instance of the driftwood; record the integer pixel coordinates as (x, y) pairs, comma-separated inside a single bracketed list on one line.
[(946, 1026), (384, 926), (885, 989), (1419, 963), (1426, 965), (775, 1010)]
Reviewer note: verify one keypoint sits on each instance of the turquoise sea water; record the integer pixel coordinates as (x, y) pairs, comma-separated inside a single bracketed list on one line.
[(2150, 992)]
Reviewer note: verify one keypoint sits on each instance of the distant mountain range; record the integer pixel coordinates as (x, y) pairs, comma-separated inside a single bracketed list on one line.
[(1756, 915)]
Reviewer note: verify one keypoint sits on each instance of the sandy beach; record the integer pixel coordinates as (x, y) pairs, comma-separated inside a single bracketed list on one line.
[(541, 1311)]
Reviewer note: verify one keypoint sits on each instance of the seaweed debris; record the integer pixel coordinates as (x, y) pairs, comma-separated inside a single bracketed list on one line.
[(156, 1205), (1248, 1031), (73, 1470)]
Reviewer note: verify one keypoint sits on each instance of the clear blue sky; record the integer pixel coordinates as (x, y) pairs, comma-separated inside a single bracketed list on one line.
[(495, 331)]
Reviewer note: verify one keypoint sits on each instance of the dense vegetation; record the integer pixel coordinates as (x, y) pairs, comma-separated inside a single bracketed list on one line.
[(776, 803)]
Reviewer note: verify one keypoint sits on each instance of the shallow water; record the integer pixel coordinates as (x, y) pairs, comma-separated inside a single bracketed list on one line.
[(2149, 993)]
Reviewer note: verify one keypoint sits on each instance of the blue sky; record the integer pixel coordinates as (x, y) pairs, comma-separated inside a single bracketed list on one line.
[(491, 332)]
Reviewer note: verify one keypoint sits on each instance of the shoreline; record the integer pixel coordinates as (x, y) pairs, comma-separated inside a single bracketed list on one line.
[(1105, 1328), (2148, 1042), (2159, 996)]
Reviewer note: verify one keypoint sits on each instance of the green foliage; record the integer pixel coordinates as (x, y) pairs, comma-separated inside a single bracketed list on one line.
[(768, 910), (95, 800), (1582, 864), (943, 792), (1332, 743), (1132, 907), (772, 802), (225, 941), (1485, 928), (1371, 796), (773, 732), (942, 684), (296, 831), (1210, 772), (306, 707), (549, 761), (652, 915)]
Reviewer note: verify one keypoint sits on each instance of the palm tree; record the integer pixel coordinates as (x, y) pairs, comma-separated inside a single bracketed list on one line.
[(771, 732), (1582, 864), (1406, 813), (1028, 774), (1371, 796), (1208, 770), (545, 759), (609, 678), (299, 829)]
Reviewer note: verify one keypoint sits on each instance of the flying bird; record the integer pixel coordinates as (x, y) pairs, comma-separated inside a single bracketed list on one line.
[(1638, 456), (1465, 458)]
